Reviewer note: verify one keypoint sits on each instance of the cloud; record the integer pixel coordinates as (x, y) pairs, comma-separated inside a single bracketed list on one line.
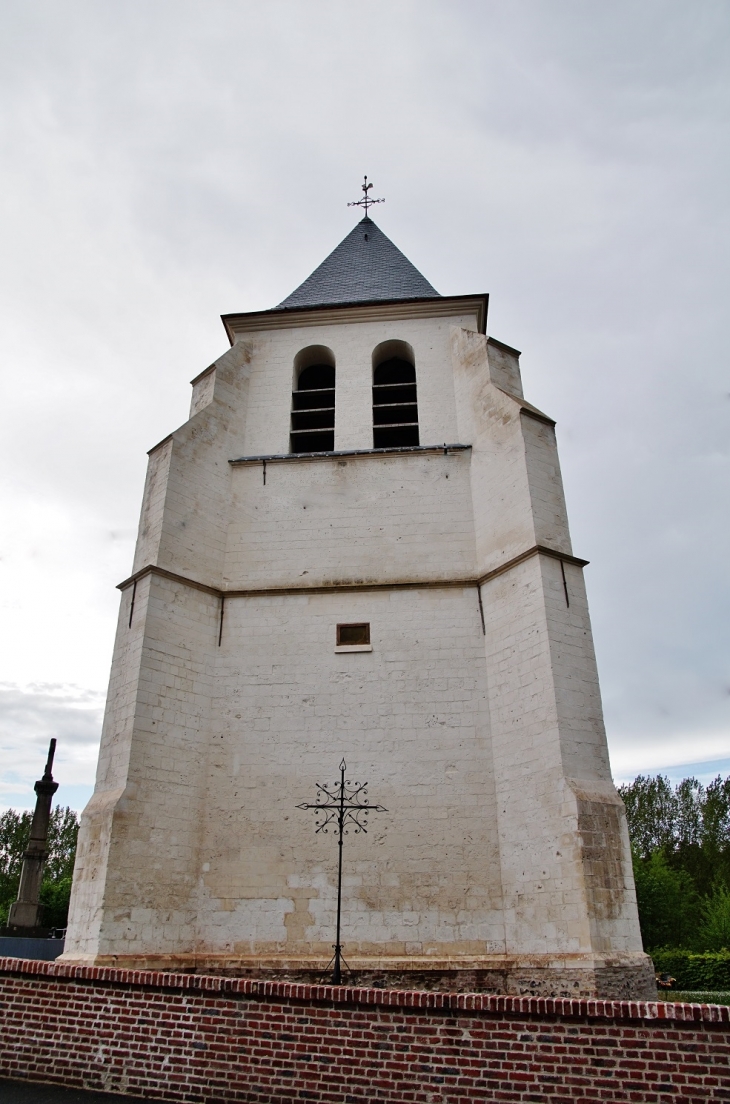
[(165, 163), (29, 717)]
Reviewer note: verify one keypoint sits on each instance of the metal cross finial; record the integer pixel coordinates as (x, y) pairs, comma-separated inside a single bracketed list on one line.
[(366, 201), (344, 803)]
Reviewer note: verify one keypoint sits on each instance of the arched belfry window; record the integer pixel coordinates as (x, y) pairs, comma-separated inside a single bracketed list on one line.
[(313, 401), (395, 403)]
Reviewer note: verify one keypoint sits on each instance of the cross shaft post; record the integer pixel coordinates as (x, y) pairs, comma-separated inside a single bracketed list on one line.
[(344, 803)]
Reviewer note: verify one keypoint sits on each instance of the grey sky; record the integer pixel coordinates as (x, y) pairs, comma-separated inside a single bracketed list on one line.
[(166, 162)]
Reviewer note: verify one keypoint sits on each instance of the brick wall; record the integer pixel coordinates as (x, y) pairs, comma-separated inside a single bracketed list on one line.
[(193, 1038)]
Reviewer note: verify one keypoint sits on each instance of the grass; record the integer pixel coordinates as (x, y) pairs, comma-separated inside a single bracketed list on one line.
[(694, 997)]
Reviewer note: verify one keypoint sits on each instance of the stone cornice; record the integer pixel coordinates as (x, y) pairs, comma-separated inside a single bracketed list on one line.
[(536, 550), (352, 584), (294, 457), (376, 311), (204, 373), (173, 576), (501, 345), (531, 411)]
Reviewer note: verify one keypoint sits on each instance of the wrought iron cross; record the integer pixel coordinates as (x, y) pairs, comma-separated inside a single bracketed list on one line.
[(366, 201), (339, 805)]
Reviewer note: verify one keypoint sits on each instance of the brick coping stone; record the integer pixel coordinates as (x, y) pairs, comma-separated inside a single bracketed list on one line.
[(390, 998)]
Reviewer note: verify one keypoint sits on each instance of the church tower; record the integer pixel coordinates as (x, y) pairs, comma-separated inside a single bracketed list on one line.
[(357, 546)]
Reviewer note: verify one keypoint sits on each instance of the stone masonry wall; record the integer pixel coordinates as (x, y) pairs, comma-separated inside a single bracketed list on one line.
[(205, 1039), (364, 519), (475, 715), (410, 717)]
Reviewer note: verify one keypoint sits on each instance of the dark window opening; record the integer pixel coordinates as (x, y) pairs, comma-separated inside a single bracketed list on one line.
[(395, 370), (313, 410), (351, 635), (318, 377), (395, 404)]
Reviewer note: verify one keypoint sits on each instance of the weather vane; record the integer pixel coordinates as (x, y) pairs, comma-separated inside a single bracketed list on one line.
[(344, 803), (366, 201)]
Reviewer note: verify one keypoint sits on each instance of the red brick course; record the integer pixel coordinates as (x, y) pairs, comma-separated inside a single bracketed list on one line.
[(184, 1037)]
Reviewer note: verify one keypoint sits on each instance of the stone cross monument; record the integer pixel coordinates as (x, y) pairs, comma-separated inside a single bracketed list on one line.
[(357, 546), (23, 915)]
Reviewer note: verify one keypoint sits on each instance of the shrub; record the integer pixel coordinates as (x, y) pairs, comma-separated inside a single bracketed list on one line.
[(709, 972)]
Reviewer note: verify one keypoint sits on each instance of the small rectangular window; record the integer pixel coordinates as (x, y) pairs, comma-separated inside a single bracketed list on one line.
[(352, 635)]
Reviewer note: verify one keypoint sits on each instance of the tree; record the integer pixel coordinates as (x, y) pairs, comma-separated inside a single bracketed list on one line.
[(714, 930), (56, 887), (716, 832), (14, 833), (681, 844), (669, 905), (651, 813), (63, 831)]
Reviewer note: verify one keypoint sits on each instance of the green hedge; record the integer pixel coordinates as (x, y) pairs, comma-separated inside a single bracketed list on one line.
[(709, 971), (697, 998)]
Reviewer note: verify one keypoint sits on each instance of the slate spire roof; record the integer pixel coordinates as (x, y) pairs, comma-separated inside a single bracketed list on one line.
[(365, 266)]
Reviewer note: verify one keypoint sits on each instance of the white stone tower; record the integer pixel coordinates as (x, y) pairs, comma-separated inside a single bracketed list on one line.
[(357, 545)]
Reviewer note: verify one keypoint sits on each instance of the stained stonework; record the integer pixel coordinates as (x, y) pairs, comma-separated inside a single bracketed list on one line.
[(503, 861)]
